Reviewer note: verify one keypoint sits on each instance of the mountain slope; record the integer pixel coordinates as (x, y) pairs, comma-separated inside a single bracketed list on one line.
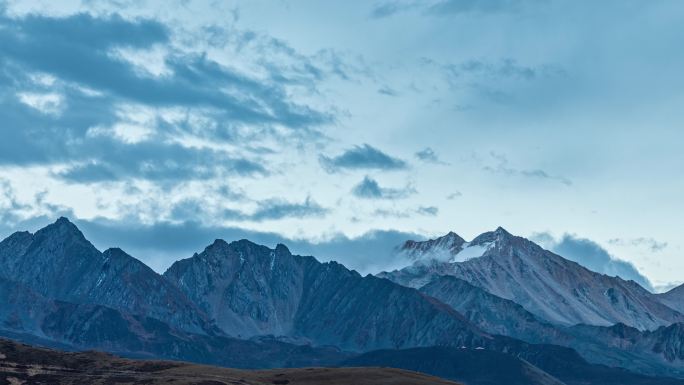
[(643, 349), (674, 298), (58, 263), (71, 326), (553, 288), (253, 290), (493, 314), (643, 352)]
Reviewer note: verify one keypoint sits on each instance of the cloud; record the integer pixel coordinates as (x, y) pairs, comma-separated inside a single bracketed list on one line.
[(502, 167), (452, 7), (270, 209), (78, 48), (428, 155), (9, 205), (454, 195), (385, 90), (430, 211), (449, 7), (362, 157), (69, 84), (504, 82), (665, 287), (389, 8), (649, 243), (506, 68), (592, 256), (158, 161), (369, 188), (279, 209)]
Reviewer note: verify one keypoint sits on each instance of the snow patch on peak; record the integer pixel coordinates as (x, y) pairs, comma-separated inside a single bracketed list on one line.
[(470, 251)]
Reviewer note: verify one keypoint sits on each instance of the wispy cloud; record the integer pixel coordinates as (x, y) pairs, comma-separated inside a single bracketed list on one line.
[(386, 90), (503, 167), (369, 188), (450, 7), (429, 211), (454, 195), (428, 155), (362, 157), (279, 209), (265, 210), (649, 243)]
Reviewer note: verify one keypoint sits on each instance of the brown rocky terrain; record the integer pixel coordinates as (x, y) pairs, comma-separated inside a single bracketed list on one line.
[(22, 364)]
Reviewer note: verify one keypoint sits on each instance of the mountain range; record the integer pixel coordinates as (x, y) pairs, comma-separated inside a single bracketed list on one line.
[(245, 305), (553, 288)]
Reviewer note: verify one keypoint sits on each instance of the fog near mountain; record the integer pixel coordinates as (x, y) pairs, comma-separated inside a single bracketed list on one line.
[(592, 256)]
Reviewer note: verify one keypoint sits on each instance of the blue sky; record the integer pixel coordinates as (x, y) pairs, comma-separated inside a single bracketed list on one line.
[(344, 127)]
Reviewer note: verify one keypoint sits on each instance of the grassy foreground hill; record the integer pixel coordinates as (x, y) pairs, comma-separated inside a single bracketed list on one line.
[(22, 364)]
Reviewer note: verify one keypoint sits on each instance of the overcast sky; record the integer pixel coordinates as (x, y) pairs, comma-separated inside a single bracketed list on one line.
[(160, 125)]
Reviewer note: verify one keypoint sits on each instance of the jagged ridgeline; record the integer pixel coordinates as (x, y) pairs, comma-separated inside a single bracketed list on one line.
[(244, 305)]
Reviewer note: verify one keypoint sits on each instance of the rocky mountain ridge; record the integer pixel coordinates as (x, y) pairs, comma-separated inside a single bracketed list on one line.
[(243, 304), (59, 263), (553, 288), (251, 290)]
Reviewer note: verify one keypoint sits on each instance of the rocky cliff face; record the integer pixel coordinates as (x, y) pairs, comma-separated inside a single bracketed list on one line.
[(493, 314), (58, 263), (549, 286), (253, 290), (247, 288), (73, 326)]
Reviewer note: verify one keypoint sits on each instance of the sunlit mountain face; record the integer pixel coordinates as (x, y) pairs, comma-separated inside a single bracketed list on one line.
[(427, 187)]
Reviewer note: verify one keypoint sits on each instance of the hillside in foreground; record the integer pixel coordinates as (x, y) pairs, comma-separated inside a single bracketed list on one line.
[(22, 364)]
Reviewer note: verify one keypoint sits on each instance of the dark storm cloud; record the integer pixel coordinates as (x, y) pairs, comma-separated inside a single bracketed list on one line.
[(89, 80), (361, 157), (369, 188)]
